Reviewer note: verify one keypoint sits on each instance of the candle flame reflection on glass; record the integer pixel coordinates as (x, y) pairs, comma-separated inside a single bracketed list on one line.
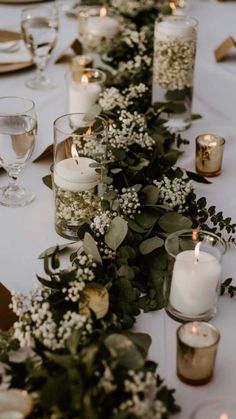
[(75, 154), (197, 252), (84, 80), (103, 12)]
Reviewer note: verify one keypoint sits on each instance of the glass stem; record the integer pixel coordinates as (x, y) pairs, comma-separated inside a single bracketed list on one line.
[(13, 185)]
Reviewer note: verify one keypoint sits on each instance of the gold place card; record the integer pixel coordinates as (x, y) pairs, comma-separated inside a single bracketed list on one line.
[(222, 50)]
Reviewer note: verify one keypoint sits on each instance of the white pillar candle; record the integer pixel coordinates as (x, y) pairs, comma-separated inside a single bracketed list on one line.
[(198, 334), (194, 282), (82, 96), (103, 26), (76, 177)]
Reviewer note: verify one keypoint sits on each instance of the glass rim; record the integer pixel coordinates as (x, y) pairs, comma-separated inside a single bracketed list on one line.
[(67, 115), (213, 402), (211, 326), (22, 98), (85, 70), (190, 231), (217, 137), (194, 22)]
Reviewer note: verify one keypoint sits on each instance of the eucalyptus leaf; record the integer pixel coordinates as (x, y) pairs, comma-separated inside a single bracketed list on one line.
[(51, 250), (124, 350), (141, 340), (116, 233), (151, 194), (147, 246), (91, 248), (135, 227), (173, 221)]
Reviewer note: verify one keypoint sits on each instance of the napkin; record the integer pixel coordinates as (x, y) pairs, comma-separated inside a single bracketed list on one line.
[(20, 56)]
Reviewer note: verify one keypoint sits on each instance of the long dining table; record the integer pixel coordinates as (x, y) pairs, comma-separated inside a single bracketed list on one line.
[(26, 231)]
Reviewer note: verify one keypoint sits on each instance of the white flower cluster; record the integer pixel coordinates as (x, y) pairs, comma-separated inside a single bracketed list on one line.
[(5, 376), (129, 201), (85, 273), (132, 129), (36, 322), (73, 207), (73, 321), (101, 222), (131, 67), (143, 390), (173, 63), (132, 7), (112, 97), (107, 382), (173, 193)]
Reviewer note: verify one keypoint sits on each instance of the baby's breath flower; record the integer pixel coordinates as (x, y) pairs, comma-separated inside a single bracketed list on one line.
[(129, 201), (131, 128), (174, 192)]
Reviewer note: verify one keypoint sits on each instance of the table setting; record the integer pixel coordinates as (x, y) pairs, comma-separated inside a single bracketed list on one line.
[(117, 210)]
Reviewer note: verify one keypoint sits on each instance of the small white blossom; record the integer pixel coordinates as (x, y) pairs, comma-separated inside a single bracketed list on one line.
[(107, 382), (142, 402), (129, 201), (131, 128), (173, 193)]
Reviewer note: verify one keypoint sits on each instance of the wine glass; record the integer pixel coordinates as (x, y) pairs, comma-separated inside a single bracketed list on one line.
[(39, 26), (18, 127)]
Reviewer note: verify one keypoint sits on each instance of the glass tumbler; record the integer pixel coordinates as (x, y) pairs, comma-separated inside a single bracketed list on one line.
[(79, 155), (194, 272), (175, 43)]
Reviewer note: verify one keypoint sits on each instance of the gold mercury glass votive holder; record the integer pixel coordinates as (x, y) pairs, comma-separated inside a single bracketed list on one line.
[(209, 154), (80, 142), (197, 344)]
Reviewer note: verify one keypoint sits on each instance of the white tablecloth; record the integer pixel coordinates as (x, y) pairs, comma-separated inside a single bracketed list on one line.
[(26, 232)]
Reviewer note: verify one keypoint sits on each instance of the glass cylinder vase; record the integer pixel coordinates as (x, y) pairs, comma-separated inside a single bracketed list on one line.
[(79, 155), (194, 273), (175, 41)]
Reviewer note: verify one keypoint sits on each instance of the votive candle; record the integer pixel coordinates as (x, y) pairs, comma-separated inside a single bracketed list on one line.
[(197, 344)]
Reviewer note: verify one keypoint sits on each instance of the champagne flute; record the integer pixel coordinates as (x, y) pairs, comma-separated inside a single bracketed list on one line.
[(18, 127), (39, 27)]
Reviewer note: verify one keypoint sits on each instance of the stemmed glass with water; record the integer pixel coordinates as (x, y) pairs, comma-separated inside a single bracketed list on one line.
[(18, 127), (39, 27)]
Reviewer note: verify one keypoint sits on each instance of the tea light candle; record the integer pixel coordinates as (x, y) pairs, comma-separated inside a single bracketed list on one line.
[(102, 25), (194, 282), (82, 95), (209, 154), (76, 174), (196, 352)]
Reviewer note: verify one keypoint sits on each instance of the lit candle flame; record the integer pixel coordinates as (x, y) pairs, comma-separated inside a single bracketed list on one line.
[(194, 330), (74, 154), (172, 5), (224, 416), (197, 252), (103, 12), (194, 234), (84, 80)]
